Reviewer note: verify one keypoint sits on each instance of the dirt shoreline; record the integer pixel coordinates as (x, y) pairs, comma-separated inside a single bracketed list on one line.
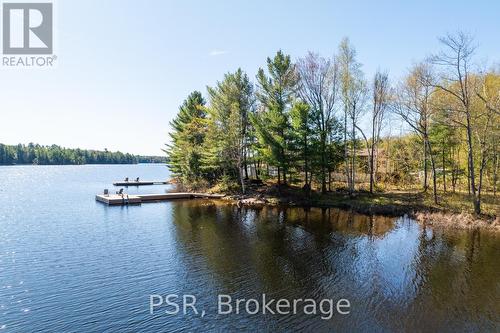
[(453, 212), (425, 215)]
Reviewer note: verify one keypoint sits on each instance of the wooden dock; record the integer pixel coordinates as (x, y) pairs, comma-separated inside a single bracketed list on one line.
[(139, 183), (125, 199)]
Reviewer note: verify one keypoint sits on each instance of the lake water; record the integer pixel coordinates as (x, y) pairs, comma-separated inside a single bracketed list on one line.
[(70, 264)]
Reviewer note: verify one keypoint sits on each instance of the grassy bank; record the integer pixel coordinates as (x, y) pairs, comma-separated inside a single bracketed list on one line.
[(453, 211)]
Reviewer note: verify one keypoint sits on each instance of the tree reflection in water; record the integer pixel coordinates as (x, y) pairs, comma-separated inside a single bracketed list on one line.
[(396, 274)]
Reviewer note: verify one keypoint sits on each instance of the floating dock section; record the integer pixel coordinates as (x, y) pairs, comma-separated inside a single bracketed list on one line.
[(126, 199), (139, 183)]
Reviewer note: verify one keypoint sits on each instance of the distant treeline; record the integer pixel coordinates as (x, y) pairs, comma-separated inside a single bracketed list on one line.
[(151, 159), (56, 155)]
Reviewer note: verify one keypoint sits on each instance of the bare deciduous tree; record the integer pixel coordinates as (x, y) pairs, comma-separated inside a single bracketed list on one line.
[(354, 92), (318, 86), (381, 97), (487, 126), (457, 80), (412, 104)]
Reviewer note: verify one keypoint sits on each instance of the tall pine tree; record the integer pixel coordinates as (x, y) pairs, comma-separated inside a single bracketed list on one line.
[(276, 90), (188, 134), (231, 102)]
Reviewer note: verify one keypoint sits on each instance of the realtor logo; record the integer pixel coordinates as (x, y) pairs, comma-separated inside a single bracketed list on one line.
[(27, 28)]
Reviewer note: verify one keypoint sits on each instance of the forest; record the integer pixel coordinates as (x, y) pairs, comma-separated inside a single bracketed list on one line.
[(321, 124), (56, 155)]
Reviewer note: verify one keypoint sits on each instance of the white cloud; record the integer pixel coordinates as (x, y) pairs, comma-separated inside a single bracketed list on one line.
[(216, 52)]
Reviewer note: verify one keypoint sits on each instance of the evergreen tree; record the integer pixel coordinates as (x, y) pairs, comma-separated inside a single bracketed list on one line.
[(275, 93), (56, 155), (300, 119), (231, 102), (188, 135)]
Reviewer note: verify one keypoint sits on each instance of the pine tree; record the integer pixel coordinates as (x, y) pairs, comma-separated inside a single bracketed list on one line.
[(275, 93), (300, 119), (188, 135), (231, 102)]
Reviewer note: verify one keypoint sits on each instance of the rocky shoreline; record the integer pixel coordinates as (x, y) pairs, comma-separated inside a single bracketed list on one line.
[(425, 215), (392, 203)]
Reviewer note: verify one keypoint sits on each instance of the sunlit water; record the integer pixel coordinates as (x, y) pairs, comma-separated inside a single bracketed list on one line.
[(70, 264)]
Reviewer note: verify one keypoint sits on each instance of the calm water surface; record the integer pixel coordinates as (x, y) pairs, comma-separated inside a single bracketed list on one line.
[(70, 264)]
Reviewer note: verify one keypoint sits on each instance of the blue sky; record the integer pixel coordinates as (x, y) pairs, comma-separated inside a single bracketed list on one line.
[(124, 67)]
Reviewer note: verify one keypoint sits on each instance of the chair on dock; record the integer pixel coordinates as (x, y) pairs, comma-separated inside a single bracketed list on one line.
[(106, 192), (125, 200)]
